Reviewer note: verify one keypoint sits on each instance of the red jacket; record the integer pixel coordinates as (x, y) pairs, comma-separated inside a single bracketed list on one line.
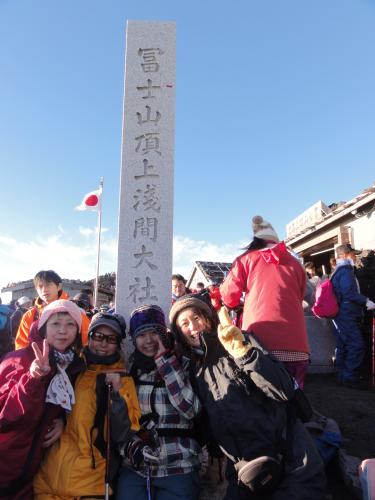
[(274, 285), (24, 420)]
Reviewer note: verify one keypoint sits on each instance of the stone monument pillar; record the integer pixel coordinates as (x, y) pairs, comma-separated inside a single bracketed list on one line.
[(144, 265)]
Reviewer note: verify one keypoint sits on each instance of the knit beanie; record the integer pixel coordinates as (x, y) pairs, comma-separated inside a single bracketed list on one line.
[(82, 298), (185, 302), (264, 230), (146, 317), (24, 300), (61, 306), (114, 321)]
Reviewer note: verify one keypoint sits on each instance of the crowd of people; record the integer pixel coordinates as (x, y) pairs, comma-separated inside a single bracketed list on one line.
[(77, 420)]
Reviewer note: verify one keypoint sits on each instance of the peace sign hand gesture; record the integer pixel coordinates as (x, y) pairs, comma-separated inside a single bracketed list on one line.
[(161, 347), (40, 366)]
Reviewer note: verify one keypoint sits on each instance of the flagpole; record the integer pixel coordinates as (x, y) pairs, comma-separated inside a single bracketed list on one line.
[(99, 234)]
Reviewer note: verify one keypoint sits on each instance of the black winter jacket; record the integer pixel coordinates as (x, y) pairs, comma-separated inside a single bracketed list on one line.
[(248, 424)]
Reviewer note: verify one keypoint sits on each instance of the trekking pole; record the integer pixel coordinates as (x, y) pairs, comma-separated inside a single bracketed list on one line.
[(148, 483), (108, 444), (373, 353)]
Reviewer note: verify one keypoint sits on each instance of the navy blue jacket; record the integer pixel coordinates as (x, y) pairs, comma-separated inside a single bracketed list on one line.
[(350, 300)]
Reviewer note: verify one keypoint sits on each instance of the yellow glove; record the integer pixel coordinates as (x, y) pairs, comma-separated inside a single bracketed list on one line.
[(230, 336)]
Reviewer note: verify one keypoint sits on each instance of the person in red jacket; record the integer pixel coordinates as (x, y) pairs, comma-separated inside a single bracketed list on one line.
[(273, 282), (35, 391)]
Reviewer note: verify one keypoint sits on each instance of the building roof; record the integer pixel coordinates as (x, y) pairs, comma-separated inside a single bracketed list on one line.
[(20, 285), (214, 271), (339, 210)]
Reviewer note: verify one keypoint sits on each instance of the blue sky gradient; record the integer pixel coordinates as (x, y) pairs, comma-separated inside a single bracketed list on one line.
[(275, 111)]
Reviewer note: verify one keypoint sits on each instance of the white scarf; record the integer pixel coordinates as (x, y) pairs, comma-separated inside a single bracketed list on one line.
[(60, 390)]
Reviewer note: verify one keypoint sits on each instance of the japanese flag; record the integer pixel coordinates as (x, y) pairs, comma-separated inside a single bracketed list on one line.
[(91, 201)]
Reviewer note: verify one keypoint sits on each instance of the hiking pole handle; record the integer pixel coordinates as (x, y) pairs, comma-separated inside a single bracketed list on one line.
[(108, 444), (373, 351)]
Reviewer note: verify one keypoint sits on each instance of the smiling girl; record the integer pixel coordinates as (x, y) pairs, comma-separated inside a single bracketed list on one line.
[(80, 455), (35, 392), (167, 402), (270, 455)]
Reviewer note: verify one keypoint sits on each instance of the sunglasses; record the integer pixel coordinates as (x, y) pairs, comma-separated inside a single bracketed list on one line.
[(100, 337)]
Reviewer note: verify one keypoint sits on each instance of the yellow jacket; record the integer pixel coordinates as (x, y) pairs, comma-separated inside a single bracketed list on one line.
[(67, 469)]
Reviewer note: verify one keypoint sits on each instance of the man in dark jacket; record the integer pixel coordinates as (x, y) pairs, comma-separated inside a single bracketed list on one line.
[(179, 288), (23, 304), (350, 344)]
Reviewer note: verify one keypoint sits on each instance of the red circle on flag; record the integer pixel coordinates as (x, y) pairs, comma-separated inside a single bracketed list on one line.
[(92, 200)]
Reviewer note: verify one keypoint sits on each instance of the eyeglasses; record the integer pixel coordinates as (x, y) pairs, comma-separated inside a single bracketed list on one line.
[(112, 316), (100, 337)]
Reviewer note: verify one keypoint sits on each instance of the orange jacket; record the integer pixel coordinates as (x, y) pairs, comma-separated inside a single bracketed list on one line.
[(22, 338), (85, 328)]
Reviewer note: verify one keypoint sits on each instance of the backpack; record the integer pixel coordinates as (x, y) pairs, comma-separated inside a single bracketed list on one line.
[(326, 435), (325, 305)]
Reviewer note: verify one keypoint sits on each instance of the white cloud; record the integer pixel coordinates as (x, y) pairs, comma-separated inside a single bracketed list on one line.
[(76, 258), (186, 251), (88, 231), (21, 260)]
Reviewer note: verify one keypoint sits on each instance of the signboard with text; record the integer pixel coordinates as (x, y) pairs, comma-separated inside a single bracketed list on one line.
[(308, 219)]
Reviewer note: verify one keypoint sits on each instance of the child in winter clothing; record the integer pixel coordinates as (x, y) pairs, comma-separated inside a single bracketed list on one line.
[(167, 402), (35, 391), (80, 455), (270, 454)]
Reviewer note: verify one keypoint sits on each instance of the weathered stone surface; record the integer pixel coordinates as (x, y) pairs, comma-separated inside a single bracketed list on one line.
[(146, 196)]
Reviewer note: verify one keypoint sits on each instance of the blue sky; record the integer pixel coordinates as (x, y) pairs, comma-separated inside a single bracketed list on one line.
[(275, 111)]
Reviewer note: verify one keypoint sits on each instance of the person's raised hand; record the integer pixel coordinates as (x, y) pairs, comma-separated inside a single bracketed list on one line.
[(230, 336), (161, 347), (40, 366)]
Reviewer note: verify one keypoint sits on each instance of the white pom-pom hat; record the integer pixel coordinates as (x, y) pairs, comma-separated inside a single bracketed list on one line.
[(264, 230)]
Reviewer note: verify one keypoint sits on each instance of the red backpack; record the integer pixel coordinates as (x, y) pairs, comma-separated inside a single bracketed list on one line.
[(325, 305)]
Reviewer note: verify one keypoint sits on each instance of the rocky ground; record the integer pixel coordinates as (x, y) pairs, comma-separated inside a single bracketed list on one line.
[(354, 411)]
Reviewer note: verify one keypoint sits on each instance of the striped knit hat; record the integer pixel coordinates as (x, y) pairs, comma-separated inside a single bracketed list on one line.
[(146, 317), (263, 229)]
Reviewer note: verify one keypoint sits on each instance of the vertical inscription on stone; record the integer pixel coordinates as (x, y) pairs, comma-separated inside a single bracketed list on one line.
[(144, 265)]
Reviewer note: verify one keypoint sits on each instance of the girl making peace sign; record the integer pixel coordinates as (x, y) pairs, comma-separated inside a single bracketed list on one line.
[(35, 391)]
